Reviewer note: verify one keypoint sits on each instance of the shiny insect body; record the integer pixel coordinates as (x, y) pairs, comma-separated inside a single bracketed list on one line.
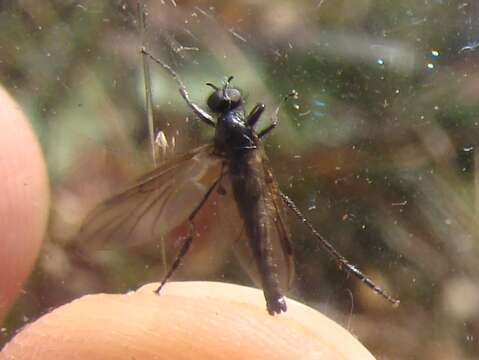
[(236, 170)]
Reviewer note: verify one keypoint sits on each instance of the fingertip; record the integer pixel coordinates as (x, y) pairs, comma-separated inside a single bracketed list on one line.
[(200, 320), (25, 197)]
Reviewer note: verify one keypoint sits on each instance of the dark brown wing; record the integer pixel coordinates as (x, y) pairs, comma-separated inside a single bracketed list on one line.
[(282, 253), (158, 203)]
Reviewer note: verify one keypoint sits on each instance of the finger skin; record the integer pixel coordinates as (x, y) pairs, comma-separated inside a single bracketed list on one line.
[(24, 200), (188, 320)]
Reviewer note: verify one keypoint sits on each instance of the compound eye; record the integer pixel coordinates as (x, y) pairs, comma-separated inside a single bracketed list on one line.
[(233, 95), (216, 101)]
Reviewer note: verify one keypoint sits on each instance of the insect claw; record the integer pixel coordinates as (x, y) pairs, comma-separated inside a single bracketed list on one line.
[(293, 93), (221, 190), (157, 291), (276, 306)]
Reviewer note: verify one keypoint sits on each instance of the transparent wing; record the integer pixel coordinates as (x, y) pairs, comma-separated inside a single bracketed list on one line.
[(158, 203), (277, 230)]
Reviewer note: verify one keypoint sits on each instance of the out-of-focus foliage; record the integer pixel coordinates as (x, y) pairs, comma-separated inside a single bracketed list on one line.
[(379, 150)]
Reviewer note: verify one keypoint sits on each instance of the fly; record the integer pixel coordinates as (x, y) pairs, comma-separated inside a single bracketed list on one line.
[(233, 172)]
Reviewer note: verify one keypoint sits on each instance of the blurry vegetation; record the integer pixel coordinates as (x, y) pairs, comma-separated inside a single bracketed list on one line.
[(379, 150)]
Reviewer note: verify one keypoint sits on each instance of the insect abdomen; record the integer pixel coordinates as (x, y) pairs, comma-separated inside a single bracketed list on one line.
[(248, 187)]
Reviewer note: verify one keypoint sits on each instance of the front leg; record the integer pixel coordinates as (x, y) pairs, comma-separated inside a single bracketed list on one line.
[(202, 114), (255, 114), (274, 118)]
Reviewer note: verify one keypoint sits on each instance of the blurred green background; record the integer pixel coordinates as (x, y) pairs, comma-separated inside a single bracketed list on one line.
[(379, 150)]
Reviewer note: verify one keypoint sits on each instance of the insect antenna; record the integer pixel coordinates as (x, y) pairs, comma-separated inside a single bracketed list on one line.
[(227, 85), (212, 86), (341, 261)]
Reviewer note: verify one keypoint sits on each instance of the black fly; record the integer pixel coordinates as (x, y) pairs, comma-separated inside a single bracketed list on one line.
[(235, 172)]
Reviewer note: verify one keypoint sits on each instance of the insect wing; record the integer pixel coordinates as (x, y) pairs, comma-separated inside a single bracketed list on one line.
[(277, 230), (159, 202)]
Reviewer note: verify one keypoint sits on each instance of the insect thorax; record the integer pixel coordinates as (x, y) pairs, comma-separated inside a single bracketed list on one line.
[(233, 135)]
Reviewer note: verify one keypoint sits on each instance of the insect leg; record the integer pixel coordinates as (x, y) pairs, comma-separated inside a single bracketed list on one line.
[(202, 114), (274, 118), (341, 261), (189, 239), (255, 114)]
